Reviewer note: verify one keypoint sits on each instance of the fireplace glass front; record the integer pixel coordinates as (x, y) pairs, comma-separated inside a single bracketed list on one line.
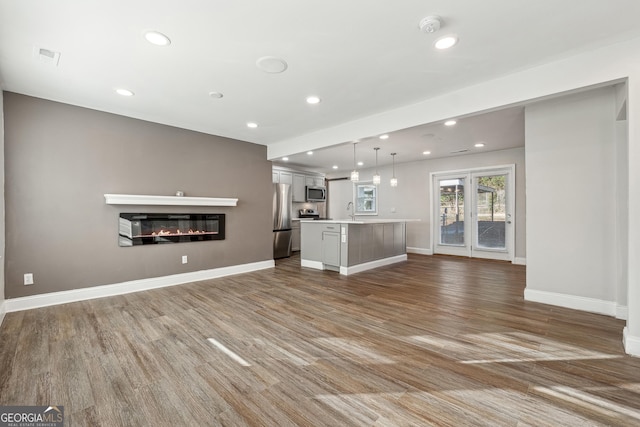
[(152, 228)]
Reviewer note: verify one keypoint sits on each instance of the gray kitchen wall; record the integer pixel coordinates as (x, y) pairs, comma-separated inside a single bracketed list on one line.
[(59, 162)]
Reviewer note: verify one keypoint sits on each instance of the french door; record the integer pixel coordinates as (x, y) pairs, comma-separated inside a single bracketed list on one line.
[(473, 213)]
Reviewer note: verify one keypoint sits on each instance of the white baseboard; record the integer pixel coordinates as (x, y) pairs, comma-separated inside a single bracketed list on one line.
[(3, 310), (622, 312), (419, 251), (373, 264), (311, 264), (631, 343), (520, 261), (591, 305), (64, 297)]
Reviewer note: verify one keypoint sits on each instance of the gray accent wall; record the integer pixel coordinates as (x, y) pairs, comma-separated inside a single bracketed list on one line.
[(59, 162)]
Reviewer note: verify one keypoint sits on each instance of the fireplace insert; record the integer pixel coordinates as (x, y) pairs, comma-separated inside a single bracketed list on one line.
[(153, 228)]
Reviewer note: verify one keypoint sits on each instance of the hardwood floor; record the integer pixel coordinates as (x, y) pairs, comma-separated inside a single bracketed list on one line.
[(433, 341)]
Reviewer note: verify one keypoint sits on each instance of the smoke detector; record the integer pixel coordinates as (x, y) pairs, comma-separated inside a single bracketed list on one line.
[(430, 24)]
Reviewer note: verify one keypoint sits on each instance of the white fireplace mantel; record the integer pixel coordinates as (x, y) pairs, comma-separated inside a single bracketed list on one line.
[(137, 199)]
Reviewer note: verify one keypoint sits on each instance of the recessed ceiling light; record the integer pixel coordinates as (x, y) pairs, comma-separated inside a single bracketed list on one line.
[(216, 95), (309, 153), (385, 136), (159, 39), (285, 159), (313, 100), (450, 123), (252, 125), (446, 42), (335, 166), (479, 145), (271, 64), (360, 163), (124, 92), (426, 153)]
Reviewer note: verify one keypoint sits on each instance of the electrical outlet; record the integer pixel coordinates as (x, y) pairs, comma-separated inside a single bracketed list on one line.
[(28, 278), (184, 259)]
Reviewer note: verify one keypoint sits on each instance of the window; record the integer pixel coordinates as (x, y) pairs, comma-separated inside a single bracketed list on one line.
[(366, 195)]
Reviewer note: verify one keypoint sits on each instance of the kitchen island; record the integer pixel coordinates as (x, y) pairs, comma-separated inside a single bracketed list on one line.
[(351, 246)]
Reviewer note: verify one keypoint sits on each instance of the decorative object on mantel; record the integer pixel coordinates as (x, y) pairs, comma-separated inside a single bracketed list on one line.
[(179, 193), (136, 199)]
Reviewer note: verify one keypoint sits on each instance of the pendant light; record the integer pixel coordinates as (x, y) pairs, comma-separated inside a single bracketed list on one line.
[(394, 180), (376, 177), (355, 176)]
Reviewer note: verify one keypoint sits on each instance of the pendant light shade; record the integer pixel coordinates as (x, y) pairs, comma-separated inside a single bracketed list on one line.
[(394, 180), (355, 176), (376, 177)]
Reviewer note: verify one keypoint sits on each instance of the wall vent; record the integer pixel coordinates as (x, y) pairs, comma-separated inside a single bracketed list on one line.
[(464, 150)]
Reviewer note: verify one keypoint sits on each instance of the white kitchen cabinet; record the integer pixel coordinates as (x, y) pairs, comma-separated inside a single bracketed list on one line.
[(275, 175), (314, 181), (299, 193), (286, 177)]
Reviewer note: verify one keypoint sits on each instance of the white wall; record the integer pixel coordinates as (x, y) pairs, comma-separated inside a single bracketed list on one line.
[(571, 201), (2, 303), (411, 199)]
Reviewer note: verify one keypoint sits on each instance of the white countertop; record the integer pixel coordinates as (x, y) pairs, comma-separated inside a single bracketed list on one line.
[(360, 221)]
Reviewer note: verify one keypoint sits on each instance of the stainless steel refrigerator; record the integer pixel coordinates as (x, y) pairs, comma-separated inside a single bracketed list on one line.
[(282, 207)]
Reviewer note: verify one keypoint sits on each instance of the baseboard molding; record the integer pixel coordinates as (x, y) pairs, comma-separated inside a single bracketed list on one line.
[(631, 343), (622, 312), (591, 305), (373, 264), (64, 297), (311, 264), (419, 251), (3, 310), (520, 261)]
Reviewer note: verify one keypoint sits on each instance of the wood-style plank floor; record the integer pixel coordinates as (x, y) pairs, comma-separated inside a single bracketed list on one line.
[(432, 341)]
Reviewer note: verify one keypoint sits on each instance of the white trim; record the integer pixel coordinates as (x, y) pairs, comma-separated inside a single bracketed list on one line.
[(136, 199), (622, 312), (520, 260), (311, 264), (631, 343), (3, 310), (420, 251), (591, 305), (64, 297), (372, 264)]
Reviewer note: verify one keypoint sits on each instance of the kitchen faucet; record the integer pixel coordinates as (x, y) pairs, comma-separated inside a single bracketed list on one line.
[(353, 213)]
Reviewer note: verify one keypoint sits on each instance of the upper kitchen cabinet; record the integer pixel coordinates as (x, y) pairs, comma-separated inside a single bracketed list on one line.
[(282, 177), (299, 181), (299, 195), (314, 181)]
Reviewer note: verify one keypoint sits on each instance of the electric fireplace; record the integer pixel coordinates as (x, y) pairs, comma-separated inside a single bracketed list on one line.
[(152, 228)]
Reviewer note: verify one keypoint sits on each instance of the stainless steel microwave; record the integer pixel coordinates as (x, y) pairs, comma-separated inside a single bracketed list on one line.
[(316, 194)]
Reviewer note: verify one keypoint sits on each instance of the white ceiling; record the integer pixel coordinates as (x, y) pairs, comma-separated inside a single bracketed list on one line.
[(361, 59)]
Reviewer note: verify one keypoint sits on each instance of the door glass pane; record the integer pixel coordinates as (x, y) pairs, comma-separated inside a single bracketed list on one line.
[(452, 211), (491, 212)]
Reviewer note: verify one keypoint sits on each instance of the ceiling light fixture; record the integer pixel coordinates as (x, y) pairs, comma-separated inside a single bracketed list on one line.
[(385, 136), (157, 38), (394, 180), (313, 100), (334, 167), (376, 177), (430, 24), (450, 123), (446, 42), (479, 145), (285, 159), (124, 92), (309, 153), (426, 153), (252, 125), (355, 176)]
